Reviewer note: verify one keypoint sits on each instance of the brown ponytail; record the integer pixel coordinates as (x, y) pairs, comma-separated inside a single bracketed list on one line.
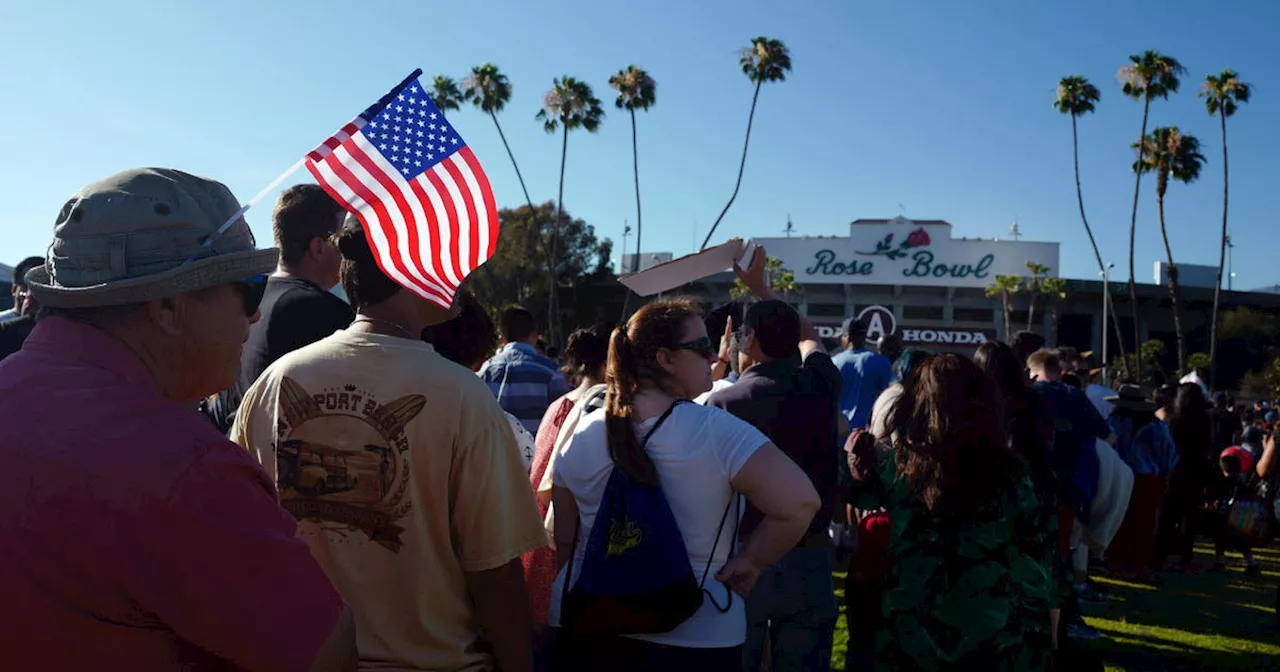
[(633, 349)]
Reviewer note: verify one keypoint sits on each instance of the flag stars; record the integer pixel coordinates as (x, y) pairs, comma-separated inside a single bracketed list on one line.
[(433, 115)]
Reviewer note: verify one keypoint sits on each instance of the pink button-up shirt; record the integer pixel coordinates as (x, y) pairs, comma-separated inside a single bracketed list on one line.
[(133, 536)]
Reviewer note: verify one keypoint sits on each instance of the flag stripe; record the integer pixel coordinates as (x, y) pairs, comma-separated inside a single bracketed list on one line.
[(356, 171), (413, 215), (434, 200), (433, 233), (400, 220), (443, 200), (461, 249), (479, 184), (341, 190)]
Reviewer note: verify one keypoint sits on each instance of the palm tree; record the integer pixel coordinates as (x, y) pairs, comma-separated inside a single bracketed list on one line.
[(636, 91), (1169, 153), (1005, 287), (765, 60), (1033, 290), (1222, 94), (569, 104), (488, 89), (445, 93), (1148, 76), (1055, 291), (1076, 96)]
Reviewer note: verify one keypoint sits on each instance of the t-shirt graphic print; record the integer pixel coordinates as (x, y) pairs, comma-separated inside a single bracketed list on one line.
[(340, 459)]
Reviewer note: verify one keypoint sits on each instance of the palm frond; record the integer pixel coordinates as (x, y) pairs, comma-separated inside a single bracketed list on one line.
[(487, 88), (766, 60)]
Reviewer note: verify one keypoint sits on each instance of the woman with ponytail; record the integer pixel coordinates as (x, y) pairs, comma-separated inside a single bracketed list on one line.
[(701, 458)]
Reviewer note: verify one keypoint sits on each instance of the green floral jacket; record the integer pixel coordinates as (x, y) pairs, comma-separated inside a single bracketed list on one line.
[(970, 593)]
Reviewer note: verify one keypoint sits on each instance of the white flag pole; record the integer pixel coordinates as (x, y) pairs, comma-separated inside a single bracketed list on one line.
[(253, 201)]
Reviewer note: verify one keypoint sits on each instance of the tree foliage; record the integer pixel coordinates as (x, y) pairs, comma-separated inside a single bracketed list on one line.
[(782, 280), (517, 272), (1153, 374)]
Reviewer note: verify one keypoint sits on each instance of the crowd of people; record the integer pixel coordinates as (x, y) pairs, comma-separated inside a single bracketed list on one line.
[(210, 461)]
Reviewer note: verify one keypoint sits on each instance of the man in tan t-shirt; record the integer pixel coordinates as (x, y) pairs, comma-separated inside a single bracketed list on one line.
[(406, 481)]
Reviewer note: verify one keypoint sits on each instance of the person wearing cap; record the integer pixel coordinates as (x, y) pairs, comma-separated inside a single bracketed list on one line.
[(297, 306), (404, 474), (865, 373), (16, 324), (134, 536), (796, 408)]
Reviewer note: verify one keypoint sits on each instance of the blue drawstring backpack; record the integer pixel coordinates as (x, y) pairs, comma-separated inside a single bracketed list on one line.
[(636, 578)]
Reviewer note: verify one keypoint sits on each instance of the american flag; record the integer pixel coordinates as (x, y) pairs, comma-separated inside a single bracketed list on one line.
[(420, 192)]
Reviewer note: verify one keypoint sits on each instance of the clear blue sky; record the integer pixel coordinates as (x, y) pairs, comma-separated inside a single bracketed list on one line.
[(942, 107)]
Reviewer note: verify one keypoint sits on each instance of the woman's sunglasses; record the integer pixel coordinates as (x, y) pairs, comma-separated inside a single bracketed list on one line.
[(251, 291), (701, 347)]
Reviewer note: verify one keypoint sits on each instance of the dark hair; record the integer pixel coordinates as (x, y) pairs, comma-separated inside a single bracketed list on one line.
[(516, 324), (910, 359), (1001, 366), (362, 279), (587, 350), (775, 326), (1026, 342), (303, 213), (890, 346), (633, 358), (469, 338), (20, 271), (1165, 394), (952, 445), (1190, 425)]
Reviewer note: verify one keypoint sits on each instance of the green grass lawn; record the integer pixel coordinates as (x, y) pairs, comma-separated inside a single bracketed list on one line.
[(1199, 622)]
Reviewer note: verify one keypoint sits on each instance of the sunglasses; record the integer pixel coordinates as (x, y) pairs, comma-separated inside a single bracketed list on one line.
[(251, 291), (701, 347)]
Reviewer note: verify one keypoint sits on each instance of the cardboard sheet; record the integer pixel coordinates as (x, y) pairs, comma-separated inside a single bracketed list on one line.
[(671, 274)]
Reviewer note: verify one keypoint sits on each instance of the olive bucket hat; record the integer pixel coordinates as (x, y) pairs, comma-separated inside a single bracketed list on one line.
[(146, 234)]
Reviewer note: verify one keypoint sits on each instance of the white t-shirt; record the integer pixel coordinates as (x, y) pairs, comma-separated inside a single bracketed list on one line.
[(524, 441), (697, 451), (716, 386)]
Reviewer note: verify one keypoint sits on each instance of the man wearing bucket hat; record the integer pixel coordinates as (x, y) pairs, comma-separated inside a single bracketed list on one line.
[(132, 534)]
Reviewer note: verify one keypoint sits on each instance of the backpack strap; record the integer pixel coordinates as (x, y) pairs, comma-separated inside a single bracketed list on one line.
[(734, 498)]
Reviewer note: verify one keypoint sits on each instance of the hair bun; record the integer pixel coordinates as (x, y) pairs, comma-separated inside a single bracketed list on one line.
[(352, 242)]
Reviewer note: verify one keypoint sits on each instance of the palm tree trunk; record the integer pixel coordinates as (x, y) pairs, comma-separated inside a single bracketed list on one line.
[(1031, 309), (513, 159), (1173, 280), (635, 170), (1222, 258), (741, 166), (1133, 229), (533, 212), (1008, 317), (1053, 321), (1111, 305), (553, 312)]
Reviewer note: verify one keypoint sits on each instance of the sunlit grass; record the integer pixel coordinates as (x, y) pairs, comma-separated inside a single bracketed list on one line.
[(1196, 622)]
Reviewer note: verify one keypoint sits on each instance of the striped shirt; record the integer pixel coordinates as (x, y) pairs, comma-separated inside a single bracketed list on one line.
[(524, 382)]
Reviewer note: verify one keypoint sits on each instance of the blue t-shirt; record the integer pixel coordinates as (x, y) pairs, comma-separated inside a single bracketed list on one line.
[(866, 374)]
